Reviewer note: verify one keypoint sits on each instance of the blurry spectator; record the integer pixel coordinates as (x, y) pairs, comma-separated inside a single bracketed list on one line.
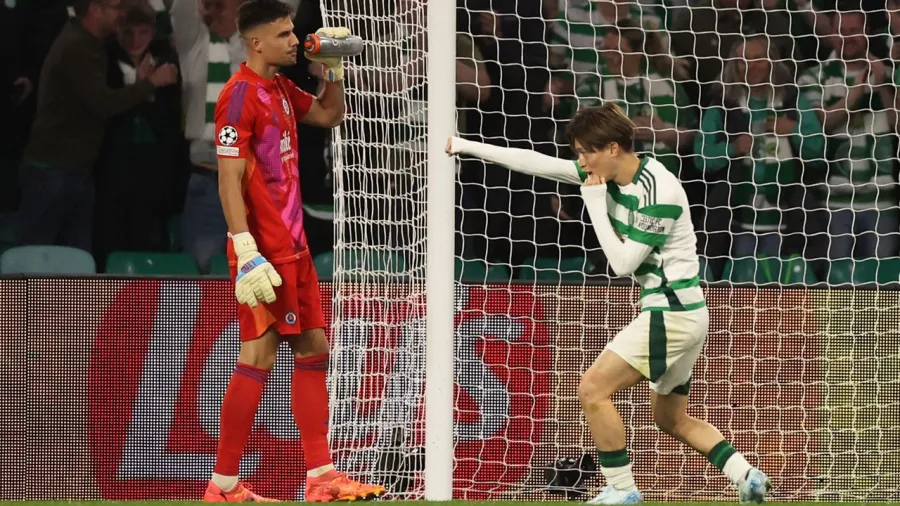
[(517, 21), (577, 30), (210, 49), (853, 97), (705, 30), (136, 169), (892, 20), (17, 86), (635, 74), (162, 21), (506, 216), (654, 16), (759, 129), (811, 30), (74, 102)]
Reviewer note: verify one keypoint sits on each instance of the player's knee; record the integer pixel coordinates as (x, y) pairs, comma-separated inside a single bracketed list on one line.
[(591, 389), (257, 357), (309, 344)]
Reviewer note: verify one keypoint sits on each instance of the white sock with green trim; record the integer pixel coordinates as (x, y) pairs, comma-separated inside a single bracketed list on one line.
[(616, 468)]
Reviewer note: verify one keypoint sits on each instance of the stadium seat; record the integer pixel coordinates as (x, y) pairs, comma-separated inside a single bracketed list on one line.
[(324, 263), (552, 269), (706, 273), (473, 271), (135, 264), (793, 270), (173, 228), (46, 260), (218, 265), (862, 272), (7, 233)]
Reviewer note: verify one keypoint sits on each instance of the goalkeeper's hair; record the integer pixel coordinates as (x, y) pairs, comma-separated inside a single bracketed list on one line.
[(261, 12), (597, 127)]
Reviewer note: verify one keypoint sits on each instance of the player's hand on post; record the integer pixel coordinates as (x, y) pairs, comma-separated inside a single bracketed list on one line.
[(333, 65), (256, 278), (449, 148)]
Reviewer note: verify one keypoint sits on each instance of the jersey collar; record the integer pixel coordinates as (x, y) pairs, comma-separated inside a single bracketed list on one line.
[(640, 169), (250, 75)]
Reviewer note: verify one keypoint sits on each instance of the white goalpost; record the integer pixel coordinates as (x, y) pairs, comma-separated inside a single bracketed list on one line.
[(469, 299)]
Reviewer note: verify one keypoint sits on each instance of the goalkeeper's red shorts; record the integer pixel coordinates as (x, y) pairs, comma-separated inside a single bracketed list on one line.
[(297, 307)]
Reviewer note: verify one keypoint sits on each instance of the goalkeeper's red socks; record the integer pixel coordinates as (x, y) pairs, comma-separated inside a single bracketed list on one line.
[(729, 461), (236, 421), (309, 404), (616, 468)]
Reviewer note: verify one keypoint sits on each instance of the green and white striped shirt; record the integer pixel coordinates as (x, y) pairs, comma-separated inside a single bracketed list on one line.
[(580, 27), (861, 149), (653, 210)]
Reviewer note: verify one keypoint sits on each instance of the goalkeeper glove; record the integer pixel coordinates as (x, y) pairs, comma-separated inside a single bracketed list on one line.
[(256, 278), (334, 65)]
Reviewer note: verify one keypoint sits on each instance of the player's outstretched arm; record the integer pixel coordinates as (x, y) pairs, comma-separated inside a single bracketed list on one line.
[(520, 160), (624, 256)]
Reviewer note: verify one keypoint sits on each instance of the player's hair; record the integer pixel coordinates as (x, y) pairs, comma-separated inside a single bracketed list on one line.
[(597, 127), (261, 12)]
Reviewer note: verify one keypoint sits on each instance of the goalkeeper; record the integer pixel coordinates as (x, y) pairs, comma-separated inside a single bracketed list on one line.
[(640, 215), (275, 282)]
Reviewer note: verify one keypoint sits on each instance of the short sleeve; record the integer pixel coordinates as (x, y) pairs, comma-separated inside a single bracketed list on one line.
[(300, 100), (235, 118), (653, 223)]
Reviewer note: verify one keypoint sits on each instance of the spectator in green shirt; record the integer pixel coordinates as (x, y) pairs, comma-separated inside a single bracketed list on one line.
[(760, 130)]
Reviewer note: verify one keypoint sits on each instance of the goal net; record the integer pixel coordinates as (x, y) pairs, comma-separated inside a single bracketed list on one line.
[(796, 216)]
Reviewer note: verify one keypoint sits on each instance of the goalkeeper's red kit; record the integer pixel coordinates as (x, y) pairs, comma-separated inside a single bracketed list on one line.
[(256, 119)]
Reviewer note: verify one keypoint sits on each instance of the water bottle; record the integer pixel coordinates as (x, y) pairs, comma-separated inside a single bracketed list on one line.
[(328, 46)]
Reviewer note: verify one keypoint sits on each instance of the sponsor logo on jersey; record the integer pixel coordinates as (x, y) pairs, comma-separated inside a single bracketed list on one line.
[(228, 151), (285, 142)]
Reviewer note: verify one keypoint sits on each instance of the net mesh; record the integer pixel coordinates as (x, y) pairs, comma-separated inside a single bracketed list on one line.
[(777, 116)]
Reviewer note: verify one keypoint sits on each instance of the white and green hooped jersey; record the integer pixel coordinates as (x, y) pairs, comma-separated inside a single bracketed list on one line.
[(653, 209), (861, 149)]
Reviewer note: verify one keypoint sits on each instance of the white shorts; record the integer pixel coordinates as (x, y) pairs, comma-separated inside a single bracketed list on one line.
[(663, 346)]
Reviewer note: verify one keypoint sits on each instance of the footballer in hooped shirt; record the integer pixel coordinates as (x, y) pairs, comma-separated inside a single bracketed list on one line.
[(275, 282)]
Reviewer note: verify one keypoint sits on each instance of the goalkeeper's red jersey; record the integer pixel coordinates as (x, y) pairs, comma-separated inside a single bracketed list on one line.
[(256, 119)]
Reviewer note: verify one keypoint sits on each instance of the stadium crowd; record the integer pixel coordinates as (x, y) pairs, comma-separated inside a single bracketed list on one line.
[(778, 115)]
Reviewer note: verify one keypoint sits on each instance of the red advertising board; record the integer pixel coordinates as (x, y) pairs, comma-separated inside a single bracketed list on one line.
[(117, 385)]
